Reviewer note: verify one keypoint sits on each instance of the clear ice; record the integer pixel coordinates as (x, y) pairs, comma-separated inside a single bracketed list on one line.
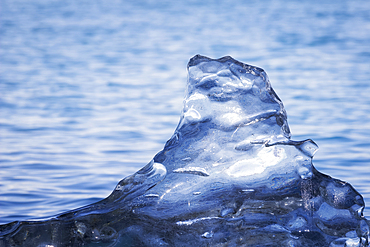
[(229, 176)]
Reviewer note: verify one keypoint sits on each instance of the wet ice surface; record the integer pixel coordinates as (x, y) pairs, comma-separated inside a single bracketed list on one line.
[(229, 176)]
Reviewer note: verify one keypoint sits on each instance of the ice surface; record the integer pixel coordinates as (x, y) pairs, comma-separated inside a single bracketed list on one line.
[(229, 176)]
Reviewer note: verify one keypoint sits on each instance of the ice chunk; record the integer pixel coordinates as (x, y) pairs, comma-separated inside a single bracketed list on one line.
[(229, 176)]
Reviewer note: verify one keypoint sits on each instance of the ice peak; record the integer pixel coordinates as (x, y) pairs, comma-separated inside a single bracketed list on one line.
[(231, 95)]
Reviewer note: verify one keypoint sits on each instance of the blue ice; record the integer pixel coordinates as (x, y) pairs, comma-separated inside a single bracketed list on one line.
[(229, 176)]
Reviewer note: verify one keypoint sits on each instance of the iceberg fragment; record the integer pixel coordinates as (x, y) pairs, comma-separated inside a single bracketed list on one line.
[(229, 176)]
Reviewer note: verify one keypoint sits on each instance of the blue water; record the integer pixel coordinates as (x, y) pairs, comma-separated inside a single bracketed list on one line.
[(91, 90)]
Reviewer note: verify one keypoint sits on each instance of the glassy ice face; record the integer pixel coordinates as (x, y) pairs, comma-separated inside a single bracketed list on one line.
[(229, 176)]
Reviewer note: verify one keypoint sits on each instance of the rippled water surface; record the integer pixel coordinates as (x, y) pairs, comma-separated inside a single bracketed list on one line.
[(91, 90)]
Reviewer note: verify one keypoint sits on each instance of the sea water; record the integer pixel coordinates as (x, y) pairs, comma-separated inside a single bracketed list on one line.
[(90, 91)]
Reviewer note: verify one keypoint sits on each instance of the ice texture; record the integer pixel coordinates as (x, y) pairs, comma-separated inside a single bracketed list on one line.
[(229, 176)]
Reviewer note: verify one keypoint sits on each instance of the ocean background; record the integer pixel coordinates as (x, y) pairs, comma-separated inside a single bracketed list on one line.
[(91, 90)]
